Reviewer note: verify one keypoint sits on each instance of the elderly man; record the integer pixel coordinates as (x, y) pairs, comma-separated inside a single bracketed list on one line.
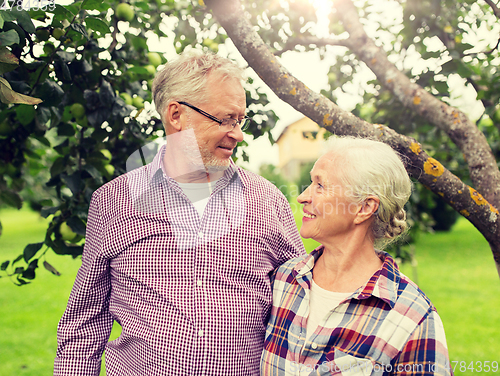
[(179, 252)]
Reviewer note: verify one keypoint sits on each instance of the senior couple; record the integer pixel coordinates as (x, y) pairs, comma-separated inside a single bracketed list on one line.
[(200, 262)]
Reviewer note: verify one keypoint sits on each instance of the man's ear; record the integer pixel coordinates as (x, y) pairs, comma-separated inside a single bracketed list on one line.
[(172, 115), (368, 208)]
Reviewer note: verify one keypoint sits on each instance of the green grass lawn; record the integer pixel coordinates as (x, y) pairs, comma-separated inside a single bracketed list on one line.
[(455, 270)]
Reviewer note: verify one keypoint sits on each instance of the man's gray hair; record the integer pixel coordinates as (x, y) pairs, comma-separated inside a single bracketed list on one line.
[(185, 78)]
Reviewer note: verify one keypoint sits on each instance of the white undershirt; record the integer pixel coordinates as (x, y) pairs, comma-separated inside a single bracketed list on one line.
[(198, 194), (321, 302)]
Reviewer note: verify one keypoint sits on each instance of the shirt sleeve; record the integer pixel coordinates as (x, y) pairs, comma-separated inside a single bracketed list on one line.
[(292, 245), (85, 326), (426, 352)]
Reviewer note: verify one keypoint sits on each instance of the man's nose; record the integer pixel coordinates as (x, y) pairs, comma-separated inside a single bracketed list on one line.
[(236, 133)]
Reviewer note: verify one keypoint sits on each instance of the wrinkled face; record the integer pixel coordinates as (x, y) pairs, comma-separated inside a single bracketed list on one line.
[(329, 211), (226, 100)]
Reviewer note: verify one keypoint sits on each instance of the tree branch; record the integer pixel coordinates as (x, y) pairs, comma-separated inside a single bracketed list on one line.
[(461, 130), (306, 41), (493, 6), (466, 200)]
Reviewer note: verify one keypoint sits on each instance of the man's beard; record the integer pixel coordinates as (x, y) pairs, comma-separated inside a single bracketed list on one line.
[(193, 151)]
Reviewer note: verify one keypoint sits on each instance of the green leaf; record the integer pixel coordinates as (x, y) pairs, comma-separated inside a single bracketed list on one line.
[(4, 68), (12, 199), (6, 56), (7, 95), (29, 273), (18, 258), (51, 92), (9, 38), (65, 129), (45, 212), (449, 66), (74, 182), (24, 20), (43, 140), (21, 281), (43, 115), (95, 5), (25, 114), (30, 250), (77, 225), (38, 15), (441, 86), (80, 29), (98, 25), (61, 66), (139, 43), (106, 94), (1, 21), (8, 16), (51, 269), (464, 70), (57, 167), (62, 12)]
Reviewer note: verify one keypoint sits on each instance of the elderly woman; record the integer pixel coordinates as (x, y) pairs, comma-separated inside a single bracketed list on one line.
[(346, 309)]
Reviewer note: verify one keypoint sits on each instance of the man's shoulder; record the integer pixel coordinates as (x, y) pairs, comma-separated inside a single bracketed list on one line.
[(254, 181), (123, 183)]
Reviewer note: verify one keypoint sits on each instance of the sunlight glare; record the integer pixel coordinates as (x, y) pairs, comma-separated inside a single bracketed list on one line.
[(323, 9)]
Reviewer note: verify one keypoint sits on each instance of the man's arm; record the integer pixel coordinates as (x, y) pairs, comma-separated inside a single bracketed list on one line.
[(86, 324), (291, 244)]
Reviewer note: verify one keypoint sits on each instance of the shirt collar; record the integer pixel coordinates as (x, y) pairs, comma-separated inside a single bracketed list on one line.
[(157, 172), (383, 284)]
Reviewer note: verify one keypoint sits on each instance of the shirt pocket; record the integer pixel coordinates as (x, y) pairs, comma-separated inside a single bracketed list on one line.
[(348, 365)]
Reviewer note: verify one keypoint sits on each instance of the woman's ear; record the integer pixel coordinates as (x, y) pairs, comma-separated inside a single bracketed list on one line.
[(368, 208), (172, 116)]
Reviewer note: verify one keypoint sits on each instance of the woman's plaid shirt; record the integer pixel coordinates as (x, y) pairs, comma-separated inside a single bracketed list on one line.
[(386, 327)]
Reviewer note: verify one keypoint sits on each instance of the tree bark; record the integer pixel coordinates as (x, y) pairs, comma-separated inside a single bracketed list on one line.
[(471, 203)]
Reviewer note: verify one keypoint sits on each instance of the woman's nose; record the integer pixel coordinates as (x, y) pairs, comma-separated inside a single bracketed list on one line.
[(304, 196)]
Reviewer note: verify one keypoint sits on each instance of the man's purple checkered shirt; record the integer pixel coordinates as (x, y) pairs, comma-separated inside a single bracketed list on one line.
[(191, 294)]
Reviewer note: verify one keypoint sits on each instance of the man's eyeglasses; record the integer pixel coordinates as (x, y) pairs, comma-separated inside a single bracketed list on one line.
[(225, 124)]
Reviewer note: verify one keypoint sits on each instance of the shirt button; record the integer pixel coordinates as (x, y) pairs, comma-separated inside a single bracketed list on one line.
[(199, 282), (200, 333), (314, 346)]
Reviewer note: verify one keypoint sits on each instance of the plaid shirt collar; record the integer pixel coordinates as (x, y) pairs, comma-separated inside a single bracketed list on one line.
[(158, 174), (383, 283)]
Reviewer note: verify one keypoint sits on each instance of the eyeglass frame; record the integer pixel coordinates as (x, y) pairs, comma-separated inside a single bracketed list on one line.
[(245, 119)]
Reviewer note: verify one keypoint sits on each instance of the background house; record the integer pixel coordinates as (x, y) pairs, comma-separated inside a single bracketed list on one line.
[(300, 143)]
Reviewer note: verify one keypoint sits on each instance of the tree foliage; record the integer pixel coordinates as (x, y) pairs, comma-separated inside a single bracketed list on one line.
[(88, 61), (76, 103)]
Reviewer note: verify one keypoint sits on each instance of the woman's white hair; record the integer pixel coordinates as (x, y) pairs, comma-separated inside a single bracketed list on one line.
[(185, 78), (371, 168)]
